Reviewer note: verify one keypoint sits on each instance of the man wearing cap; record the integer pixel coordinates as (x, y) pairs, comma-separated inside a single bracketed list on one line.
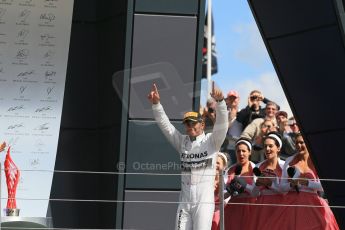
[(282, 121), (287, 135), (232, 103), (235, 127), (198, 158)]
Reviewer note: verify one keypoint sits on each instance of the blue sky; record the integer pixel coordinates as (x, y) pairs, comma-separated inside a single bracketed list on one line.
[(243, 62)]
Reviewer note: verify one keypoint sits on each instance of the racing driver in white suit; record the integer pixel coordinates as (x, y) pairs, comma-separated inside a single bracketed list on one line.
[(198, 157)]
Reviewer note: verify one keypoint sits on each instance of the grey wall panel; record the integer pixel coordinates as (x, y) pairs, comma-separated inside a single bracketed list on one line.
[(81, 85), (88, 11), (283, 17), (85, 150), (153, 216), (163, 52), (109, 101), (89, 87), (85, 10), (148, 151), (325, 150), (90, 127), (74, 149), (312, 70), (167, 6)]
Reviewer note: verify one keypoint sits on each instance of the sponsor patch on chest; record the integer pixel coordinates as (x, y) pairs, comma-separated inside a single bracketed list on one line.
[(193, 156)]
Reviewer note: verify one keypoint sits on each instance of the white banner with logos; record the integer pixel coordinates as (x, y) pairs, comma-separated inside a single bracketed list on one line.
[(34, 44)]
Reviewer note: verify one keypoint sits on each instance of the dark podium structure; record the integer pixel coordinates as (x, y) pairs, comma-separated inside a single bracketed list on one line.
[(119, 48), (305, 40)]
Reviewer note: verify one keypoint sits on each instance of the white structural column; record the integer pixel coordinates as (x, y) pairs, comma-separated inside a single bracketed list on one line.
[(209, 47)]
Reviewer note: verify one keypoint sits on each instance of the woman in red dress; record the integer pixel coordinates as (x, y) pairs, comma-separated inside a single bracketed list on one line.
[(268, 172), (301, 181), (240, 184), (221, 164)]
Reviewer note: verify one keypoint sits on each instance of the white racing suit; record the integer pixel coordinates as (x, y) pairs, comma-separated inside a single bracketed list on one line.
[(198, 168)]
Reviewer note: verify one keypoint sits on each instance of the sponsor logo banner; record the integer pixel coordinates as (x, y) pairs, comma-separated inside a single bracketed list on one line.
[(34, 44)]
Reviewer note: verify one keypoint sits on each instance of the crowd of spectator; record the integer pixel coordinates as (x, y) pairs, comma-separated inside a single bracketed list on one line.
[(269, 174), (253, 122)]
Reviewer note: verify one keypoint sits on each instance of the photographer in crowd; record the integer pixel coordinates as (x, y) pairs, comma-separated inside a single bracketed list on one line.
[(253, 110)]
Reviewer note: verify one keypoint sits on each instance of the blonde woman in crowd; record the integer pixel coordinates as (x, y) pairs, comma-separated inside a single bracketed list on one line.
[(221, 164)]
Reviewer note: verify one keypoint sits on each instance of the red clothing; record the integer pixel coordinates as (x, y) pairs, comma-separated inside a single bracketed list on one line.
[(266, 216), (237, 214), (305, 218), (216, 214), (308, 218)]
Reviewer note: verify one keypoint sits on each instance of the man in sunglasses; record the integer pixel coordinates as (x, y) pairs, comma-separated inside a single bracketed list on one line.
[(197, 152)]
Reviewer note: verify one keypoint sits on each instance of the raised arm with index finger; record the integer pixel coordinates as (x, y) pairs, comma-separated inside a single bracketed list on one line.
[(154, 94), (197, 152)]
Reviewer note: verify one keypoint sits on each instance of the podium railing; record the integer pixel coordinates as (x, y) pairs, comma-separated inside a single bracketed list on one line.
[(21, 223)]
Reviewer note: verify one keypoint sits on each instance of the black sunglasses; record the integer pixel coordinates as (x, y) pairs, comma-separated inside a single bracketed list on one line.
[(190, 123)]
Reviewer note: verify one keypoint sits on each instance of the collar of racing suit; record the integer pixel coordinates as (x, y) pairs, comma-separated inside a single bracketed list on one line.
[(198, 138)]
